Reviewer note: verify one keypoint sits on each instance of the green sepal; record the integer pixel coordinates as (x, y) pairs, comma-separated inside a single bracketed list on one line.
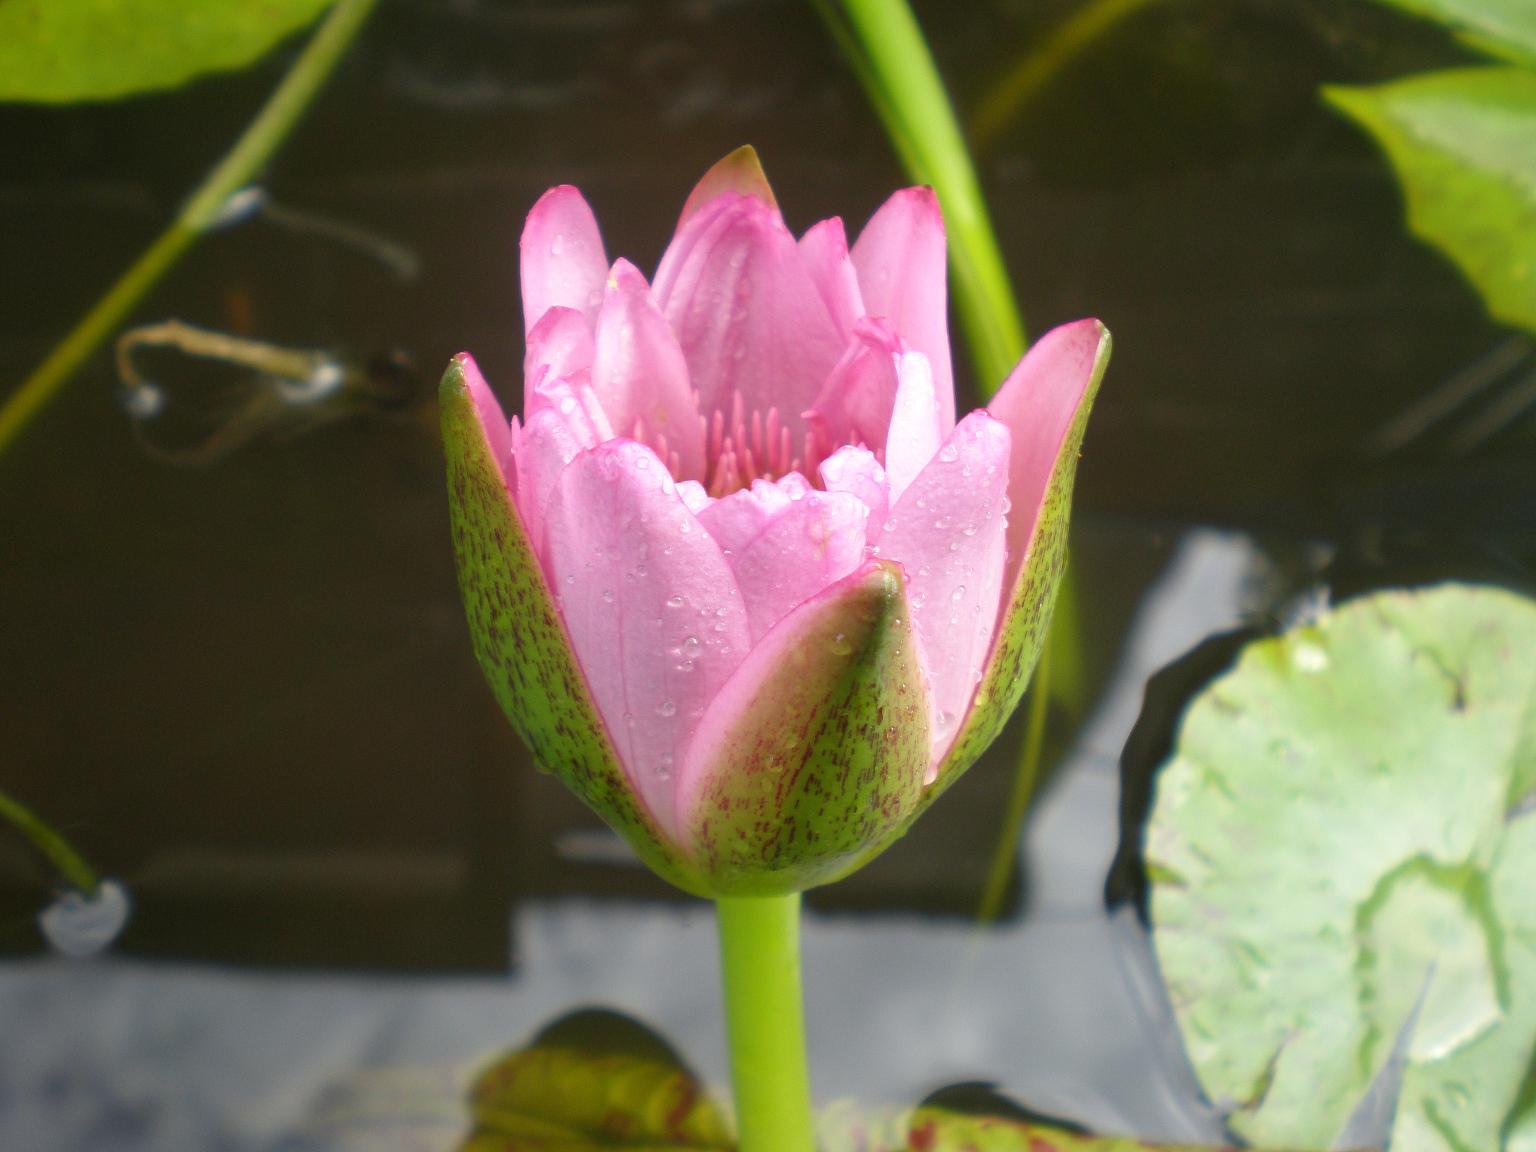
[(825, 767), (521, 643), (1021, 635)]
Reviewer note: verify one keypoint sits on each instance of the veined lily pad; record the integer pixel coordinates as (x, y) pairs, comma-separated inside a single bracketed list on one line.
[(1463, 143), (63, 51), (1347, 832)]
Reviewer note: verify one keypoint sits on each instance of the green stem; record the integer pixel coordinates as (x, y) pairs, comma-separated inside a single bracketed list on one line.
[(765, 1022), (890, 56), (1043, 63), (1005, 852), (240, 165), (47, 840)]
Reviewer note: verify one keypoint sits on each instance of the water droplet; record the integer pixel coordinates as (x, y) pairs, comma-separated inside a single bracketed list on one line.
[(674, 601), (1309, 658), (607, 595), (666, 708), (557, 244), (946, 721), (841, 645), (567, 405), (948, 453), (691, 643), (664, 767), (958, 592), (571, 578), (629, 719), (968, 530), (642, 462)]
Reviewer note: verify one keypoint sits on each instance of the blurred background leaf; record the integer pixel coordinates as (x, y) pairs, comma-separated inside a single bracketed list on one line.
[(1347, 819), (1463, 144), (65, 51), (1504, 28)]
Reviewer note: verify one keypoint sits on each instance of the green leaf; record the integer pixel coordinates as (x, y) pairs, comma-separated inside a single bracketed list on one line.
[(1463, 144), (63, 51), (1504, 28), (1349, 819), (569, 1092)]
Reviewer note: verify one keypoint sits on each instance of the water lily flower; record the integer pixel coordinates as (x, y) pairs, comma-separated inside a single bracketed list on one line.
[(737, 575)]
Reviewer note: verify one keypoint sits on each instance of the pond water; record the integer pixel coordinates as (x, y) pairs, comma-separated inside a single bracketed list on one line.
[(241, 680)]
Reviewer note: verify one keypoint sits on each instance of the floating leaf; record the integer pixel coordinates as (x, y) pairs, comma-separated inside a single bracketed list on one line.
[(1347, 831), (1463, 144), (1500, 27), (63, 51), (593, 1081)]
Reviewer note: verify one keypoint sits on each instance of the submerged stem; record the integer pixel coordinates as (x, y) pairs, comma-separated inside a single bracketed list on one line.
[(238, 167), (765, 1022), (51, 843)]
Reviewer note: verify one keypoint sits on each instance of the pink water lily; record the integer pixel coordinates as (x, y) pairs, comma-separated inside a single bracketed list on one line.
[(737, 574)]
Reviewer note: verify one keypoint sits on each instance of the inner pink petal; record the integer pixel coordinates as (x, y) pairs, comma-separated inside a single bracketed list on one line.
[(855, 470), (559, 345), (561, 259), (824, 248), (900, 259), (641, 378), (650, 604), (948, 532), (753, 328)]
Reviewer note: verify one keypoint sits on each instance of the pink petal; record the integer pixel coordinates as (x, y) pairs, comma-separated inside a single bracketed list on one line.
[(817, 540), (740, 172), (650, 605), (559, 345), (947, 531), (854, 405), (562, 264), (824, 248), (746, 313), (1038, 403), (916, 423), (855, 470), (545, 445), (900, 261), (493, 421), (639, 373), (736, 519)]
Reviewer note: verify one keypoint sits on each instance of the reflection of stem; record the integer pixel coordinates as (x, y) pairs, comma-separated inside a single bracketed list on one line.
[(765, 1022), (888, 52), (1043, 63), (303, 368), (70, 864), (250, 153), (1028, 773)]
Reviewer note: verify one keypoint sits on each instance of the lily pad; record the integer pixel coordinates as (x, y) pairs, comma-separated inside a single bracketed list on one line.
[(1346, 833), (1504, 28), (64, 51), (1463, 144)]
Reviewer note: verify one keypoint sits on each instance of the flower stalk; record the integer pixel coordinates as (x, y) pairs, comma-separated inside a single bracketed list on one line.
[(765, 1022)]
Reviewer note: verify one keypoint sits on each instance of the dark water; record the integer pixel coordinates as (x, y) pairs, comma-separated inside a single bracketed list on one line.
[(246, 688)]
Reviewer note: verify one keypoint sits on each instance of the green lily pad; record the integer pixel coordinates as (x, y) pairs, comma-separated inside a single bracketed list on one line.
[(64, 51), (1504, 28), (1463, 144), (1347, 830)]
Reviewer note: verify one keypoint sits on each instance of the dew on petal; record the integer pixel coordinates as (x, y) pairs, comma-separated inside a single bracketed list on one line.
[(948, 453), (666, 708), (841, 645), (674, 601), (607, 595)]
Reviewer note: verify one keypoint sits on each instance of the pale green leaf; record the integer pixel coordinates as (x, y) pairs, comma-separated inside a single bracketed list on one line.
[(63, 51), (1347, 826), (1463, 144), (1501, 27)]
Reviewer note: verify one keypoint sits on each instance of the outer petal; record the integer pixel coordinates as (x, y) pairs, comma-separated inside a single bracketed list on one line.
[(856, 471), (519, 640), (562, 264), (816, 541), (947, 531), (650, 604), (735, 520), (900, 261), (639, 373), (746, 314), (824, 248), (812, 756), (1045, 404)]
